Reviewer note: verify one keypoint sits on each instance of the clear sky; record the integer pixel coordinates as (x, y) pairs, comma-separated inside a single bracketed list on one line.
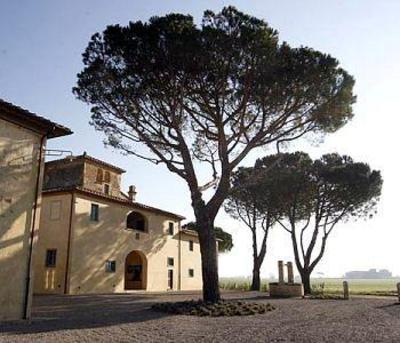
[(40, 54)]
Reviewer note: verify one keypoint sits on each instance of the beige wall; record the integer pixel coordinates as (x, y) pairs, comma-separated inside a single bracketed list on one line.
[(19, 152), (191, 260), (94, 243), (53, 234)]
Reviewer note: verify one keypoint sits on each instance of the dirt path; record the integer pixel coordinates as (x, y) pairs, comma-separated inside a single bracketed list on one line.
[(127, 318)]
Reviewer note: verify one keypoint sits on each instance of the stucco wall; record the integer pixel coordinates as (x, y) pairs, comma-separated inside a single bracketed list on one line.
[(191, 260), (53, 234), (19, 152), (94, 243)]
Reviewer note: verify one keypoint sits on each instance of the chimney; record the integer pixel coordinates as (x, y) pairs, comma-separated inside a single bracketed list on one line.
[(132, 193)]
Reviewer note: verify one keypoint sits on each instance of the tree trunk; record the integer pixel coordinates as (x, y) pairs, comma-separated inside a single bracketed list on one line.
[(256, 282), (305, 279), (209, 259)]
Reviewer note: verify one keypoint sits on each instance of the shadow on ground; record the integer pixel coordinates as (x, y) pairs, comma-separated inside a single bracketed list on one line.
[(53, 313), (62, 312)]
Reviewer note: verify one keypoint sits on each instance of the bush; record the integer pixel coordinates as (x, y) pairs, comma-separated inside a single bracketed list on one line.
[(222, 308), (318, 289), (326, 297)]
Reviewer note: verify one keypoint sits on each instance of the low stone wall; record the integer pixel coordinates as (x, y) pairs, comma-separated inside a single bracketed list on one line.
[(286, 290)]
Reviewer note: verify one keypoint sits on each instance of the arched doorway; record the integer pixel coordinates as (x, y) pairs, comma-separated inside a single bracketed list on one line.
[(135, 270)]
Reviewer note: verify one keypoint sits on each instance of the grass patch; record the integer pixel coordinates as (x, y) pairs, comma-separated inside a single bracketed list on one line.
[(332, 286), (240, 284), (383, 287), (223, 308)]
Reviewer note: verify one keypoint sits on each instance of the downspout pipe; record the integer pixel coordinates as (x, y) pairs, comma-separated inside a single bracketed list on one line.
[(180, 258), (33, 226)]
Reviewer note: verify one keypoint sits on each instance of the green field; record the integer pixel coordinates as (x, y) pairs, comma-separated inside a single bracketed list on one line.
[(326, 285)]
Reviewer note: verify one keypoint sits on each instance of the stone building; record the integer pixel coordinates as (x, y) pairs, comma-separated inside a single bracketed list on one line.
[(94, 238), (23, 137)]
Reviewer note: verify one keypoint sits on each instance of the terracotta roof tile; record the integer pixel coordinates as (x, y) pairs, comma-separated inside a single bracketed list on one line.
[(84, 156)]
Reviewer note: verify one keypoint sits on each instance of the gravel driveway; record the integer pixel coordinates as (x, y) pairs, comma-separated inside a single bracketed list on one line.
[(127, 318)]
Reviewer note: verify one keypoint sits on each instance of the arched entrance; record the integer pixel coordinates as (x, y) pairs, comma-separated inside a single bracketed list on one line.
[(135, 270)]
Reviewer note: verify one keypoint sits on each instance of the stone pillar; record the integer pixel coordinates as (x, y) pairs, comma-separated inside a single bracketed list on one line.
[(398, 290), (280, 272), (345, 290), (290, 272)]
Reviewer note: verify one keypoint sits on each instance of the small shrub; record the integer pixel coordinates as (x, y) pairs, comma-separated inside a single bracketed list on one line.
[(222, 308), (318, 289), (326, 297)]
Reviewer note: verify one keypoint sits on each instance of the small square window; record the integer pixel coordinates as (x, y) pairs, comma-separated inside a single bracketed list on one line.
[(191, 245), (94, 213), (171, 228), (191, 272), (51, 258), (110, 266), (137, 235), (170, 261), (106, 189)]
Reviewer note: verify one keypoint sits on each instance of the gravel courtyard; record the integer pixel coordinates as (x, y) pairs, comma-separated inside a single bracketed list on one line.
[(127, 318)]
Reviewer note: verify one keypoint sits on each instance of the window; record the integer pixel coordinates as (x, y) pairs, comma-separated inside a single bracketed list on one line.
[(191, 245), (55, 210), (170, 261), (99, 176), (107, 177), (110, 266), (51, 258), (191, 272), (106, 189), (94, 213), (136, 221), (171, 228), (170, 279), (137, 236)]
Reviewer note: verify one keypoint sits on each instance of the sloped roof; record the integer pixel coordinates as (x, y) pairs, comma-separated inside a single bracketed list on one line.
[(31, 121), (120, 200), (86, 157)]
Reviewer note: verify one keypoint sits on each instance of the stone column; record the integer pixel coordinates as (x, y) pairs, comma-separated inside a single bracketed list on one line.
[(290, 272), (345, 290), (280, 272), (398, 291)]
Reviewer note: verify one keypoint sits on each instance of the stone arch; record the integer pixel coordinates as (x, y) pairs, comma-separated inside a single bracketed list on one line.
[(135, 271), (136, 221)]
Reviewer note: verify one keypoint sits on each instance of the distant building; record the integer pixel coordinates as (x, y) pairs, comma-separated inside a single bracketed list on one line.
[(368, 274), (23, 137), (94, 238)]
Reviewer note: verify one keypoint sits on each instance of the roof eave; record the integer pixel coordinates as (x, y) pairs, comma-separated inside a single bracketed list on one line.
[(31, 121), (135, 205)]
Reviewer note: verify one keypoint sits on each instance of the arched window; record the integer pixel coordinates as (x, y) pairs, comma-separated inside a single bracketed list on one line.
[(137, 221)]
